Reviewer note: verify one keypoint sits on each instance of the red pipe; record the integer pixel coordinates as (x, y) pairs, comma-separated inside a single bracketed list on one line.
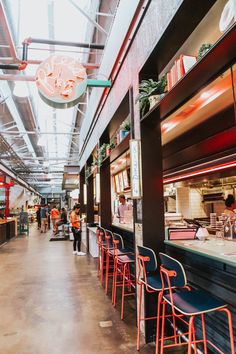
[(7, 197)]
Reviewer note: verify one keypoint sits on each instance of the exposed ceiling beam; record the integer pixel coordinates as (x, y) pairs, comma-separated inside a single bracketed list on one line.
[(15, 115), (23, 132), (104, 14), (88, 17)]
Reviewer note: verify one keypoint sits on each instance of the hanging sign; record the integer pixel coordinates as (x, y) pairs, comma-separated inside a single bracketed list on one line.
[(61, 81), (135, 169)]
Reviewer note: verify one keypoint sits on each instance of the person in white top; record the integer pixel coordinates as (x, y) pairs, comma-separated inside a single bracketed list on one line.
[(122, 207)]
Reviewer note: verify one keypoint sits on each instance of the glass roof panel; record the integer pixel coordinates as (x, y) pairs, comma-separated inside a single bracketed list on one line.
[(58, 20)]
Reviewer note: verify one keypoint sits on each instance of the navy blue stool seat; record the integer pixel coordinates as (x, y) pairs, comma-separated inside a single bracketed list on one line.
[(195, 302), (186, 304)]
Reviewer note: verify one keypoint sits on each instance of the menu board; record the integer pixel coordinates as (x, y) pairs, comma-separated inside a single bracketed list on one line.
[(121, 181), (117, 183), (125, 179), (135, 169)]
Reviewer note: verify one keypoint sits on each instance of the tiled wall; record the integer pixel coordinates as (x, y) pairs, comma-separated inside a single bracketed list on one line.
[(189, 203)]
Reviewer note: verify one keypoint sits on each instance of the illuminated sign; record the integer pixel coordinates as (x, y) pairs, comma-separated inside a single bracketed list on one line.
[(61, 81), (135, 169)]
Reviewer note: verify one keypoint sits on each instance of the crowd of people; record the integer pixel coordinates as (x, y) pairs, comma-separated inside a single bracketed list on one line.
[(45, 217), (58, 217)]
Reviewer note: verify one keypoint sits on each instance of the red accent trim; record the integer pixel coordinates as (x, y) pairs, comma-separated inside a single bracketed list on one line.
[(7, 196), (203, 171), (27, 40), (22, 65), (6, 185)]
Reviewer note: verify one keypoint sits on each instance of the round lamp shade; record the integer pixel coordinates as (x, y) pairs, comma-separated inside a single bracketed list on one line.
[(61, 80)]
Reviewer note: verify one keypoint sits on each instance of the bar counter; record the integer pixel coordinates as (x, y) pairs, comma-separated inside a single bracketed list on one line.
[(215, 249), (7, 230), (210, 265), (127, 233)]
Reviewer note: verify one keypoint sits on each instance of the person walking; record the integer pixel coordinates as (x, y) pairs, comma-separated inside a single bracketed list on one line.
[(76, 229), (54, 217), (38, 217), (44, 218)]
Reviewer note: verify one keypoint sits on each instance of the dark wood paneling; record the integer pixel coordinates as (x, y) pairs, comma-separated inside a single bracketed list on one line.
[(220, 145), (3, 233), (120, 115), (153, 203), (90, 201), (120, 149), (210, 127), (81, 193), (179, 29), (218, 58), (105, 203), (217, 278), (128, 237)]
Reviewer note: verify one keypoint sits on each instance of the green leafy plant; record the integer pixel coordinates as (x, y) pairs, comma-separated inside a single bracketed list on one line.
[(101, 153), (149, 88), (203, 49), (125, 125)]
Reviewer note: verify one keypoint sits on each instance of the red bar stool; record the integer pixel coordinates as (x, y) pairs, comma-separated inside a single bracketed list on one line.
[(122, 269), (109, 260), (100, 240), (149, 277), (186, 304), (117, 250)]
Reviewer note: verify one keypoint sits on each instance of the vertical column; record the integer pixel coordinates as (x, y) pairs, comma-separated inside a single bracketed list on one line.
[(81, 192), (90, 201), (153, 199), (153, 203), (7, 197), (105, 195)]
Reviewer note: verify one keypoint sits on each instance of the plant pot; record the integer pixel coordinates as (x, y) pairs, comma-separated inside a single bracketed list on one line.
[(154, 100), (108, 152), (123, 134)]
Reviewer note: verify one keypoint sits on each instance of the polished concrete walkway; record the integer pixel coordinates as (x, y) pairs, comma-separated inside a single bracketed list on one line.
[(51, 302)]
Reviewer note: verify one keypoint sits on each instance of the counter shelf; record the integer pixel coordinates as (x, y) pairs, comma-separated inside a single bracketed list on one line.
[(220, 250)]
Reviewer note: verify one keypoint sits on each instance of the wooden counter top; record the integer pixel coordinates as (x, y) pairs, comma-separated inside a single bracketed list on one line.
[(7, 221), (217, 249)]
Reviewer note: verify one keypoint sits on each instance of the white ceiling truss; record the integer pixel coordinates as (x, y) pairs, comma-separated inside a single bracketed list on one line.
[(24, 120)]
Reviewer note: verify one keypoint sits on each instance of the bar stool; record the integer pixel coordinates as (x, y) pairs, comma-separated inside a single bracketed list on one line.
[(149, 277), (117, 250), (101, 242), (187, 303), (122, 269), (109, 261)]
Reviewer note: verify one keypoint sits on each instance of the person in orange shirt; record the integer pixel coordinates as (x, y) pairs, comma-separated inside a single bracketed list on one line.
[(76, 229), (54, 217)]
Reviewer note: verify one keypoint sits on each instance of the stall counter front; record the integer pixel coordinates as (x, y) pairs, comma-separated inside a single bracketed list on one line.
[(93, 247), (7, 230), (210, 265)]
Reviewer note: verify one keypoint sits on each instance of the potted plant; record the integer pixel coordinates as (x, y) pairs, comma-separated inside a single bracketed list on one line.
[(204, 49), (124, 129), (109, 148), (101, 153), (148, 89)]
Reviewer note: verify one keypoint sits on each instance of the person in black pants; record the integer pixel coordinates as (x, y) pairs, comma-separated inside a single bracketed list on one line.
[(76, 229)]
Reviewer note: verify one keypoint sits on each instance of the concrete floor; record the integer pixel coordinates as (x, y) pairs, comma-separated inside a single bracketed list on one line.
[(51, 302)]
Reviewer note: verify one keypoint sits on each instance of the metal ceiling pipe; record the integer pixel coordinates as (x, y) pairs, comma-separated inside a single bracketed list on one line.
[(63, 43), (21, 66)]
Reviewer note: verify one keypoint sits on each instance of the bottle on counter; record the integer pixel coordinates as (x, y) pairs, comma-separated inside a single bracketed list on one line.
[(234, 230), (228, 229)]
